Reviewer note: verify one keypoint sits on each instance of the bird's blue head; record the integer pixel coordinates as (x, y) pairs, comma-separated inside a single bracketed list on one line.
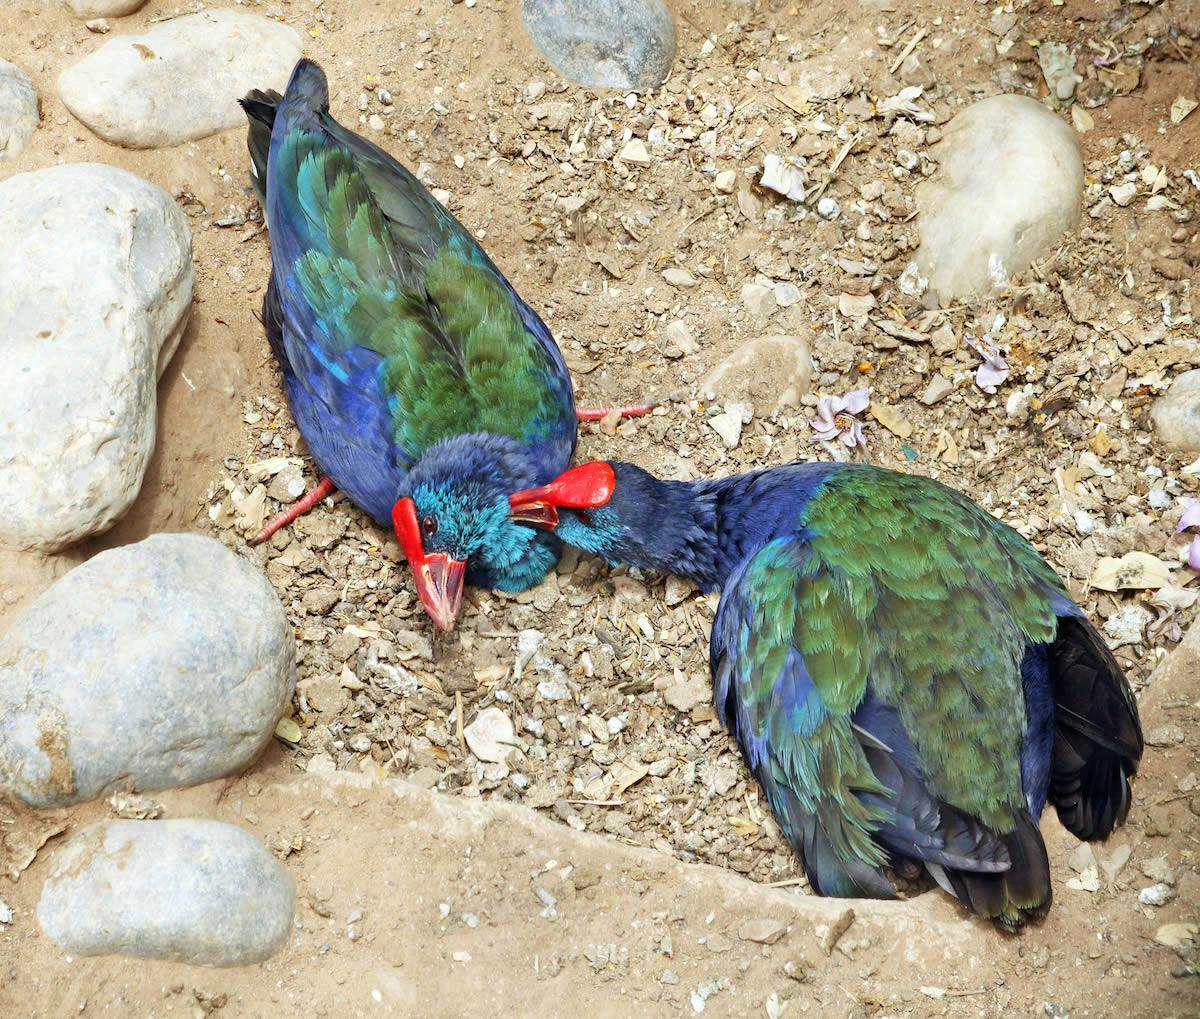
[(453, 522)]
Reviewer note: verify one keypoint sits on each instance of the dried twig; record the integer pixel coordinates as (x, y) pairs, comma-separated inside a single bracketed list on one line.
[(819, 189), (912, 45)]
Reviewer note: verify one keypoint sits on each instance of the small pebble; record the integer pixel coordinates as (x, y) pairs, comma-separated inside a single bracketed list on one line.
[(787, 294), (938, 389), (758, 300), (1156, 895), (679, 277), (491, 735), (1123, 194), (635, 152), (828, 208), (729, 426)]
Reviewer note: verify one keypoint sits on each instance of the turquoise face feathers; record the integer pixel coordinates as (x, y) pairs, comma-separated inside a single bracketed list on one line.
[(461, 492)]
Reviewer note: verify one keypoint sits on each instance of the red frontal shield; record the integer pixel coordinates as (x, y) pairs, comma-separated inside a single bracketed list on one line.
[(584, 487)]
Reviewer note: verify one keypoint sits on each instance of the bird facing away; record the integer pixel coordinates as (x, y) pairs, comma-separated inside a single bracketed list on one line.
[(425, 387), (907, 678)]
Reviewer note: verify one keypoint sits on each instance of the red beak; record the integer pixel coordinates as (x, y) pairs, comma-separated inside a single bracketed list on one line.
[(439, 578), (440, 586), (586, 486)]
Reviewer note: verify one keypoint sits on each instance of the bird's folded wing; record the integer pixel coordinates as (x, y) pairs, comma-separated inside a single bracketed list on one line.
[(404, 293), (875, 722)]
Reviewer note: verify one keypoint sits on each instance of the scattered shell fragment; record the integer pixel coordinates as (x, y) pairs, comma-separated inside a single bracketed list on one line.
[(1134, 571), (1181, 108), (784, 176)]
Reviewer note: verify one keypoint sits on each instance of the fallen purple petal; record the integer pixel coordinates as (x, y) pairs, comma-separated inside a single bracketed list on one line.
[(853, 435), (858, 400), (1190, 518), (994, 369), (990, 374), (1193, 557)]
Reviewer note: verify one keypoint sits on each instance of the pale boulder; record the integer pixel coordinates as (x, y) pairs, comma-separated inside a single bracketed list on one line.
[(188, 890), (164, 663), (179, 80), (103, 8), (1009, 186), (18, 110), (95, 293)]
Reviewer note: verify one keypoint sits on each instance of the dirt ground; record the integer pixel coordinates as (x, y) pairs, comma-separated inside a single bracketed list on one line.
[(604, 672)]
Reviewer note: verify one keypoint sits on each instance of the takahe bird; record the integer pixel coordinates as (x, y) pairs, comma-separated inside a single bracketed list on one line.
[(907, 678), (425, 388)]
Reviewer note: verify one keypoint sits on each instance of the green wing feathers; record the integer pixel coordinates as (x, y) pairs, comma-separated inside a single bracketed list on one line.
[(934, 601), (795, 727), (455, 352)]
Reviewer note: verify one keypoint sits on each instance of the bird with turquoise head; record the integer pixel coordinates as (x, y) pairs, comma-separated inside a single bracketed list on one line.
[(425, 388), (907, 678)]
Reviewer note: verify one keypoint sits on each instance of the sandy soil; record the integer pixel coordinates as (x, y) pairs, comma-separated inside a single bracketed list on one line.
[(633, 756)]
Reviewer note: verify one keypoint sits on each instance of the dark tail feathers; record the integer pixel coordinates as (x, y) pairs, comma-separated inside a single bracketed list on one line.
[(260, 110), (307, 93), (1097, 735), (1012, 897)]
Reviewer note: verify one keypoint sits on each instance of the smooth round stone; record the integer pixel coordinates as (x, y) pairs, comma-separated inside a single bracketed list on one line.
[(771, 373), (1176, 414), (1010, 185), (95, 291), (18, 110), (103, 8), (185, 890), (181, 79), (625, 44), (160, 664)]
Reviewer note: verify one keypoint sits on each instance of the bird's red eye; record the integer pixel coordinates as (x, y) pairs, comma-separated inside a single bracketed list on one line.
[(429, 525)]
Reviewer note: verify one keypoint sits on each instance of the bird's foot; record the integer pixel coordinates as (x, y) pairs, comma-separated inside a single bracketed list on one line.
[(325, 488), (633, 410)]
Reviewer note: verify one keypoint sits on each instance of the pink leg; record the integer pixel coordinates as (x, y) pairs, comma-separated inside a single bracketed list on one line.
[(325, 488), (634, 410)]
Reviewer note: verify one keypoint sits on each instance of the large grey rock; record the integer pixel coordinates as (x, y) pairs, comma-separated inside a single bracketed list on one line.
[(95, 290), (1176, 413), (181, 79), (18, 109), (1010, 185), (625, 44), (103, 8), (187, 890), (159, 664), (771, 372)]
